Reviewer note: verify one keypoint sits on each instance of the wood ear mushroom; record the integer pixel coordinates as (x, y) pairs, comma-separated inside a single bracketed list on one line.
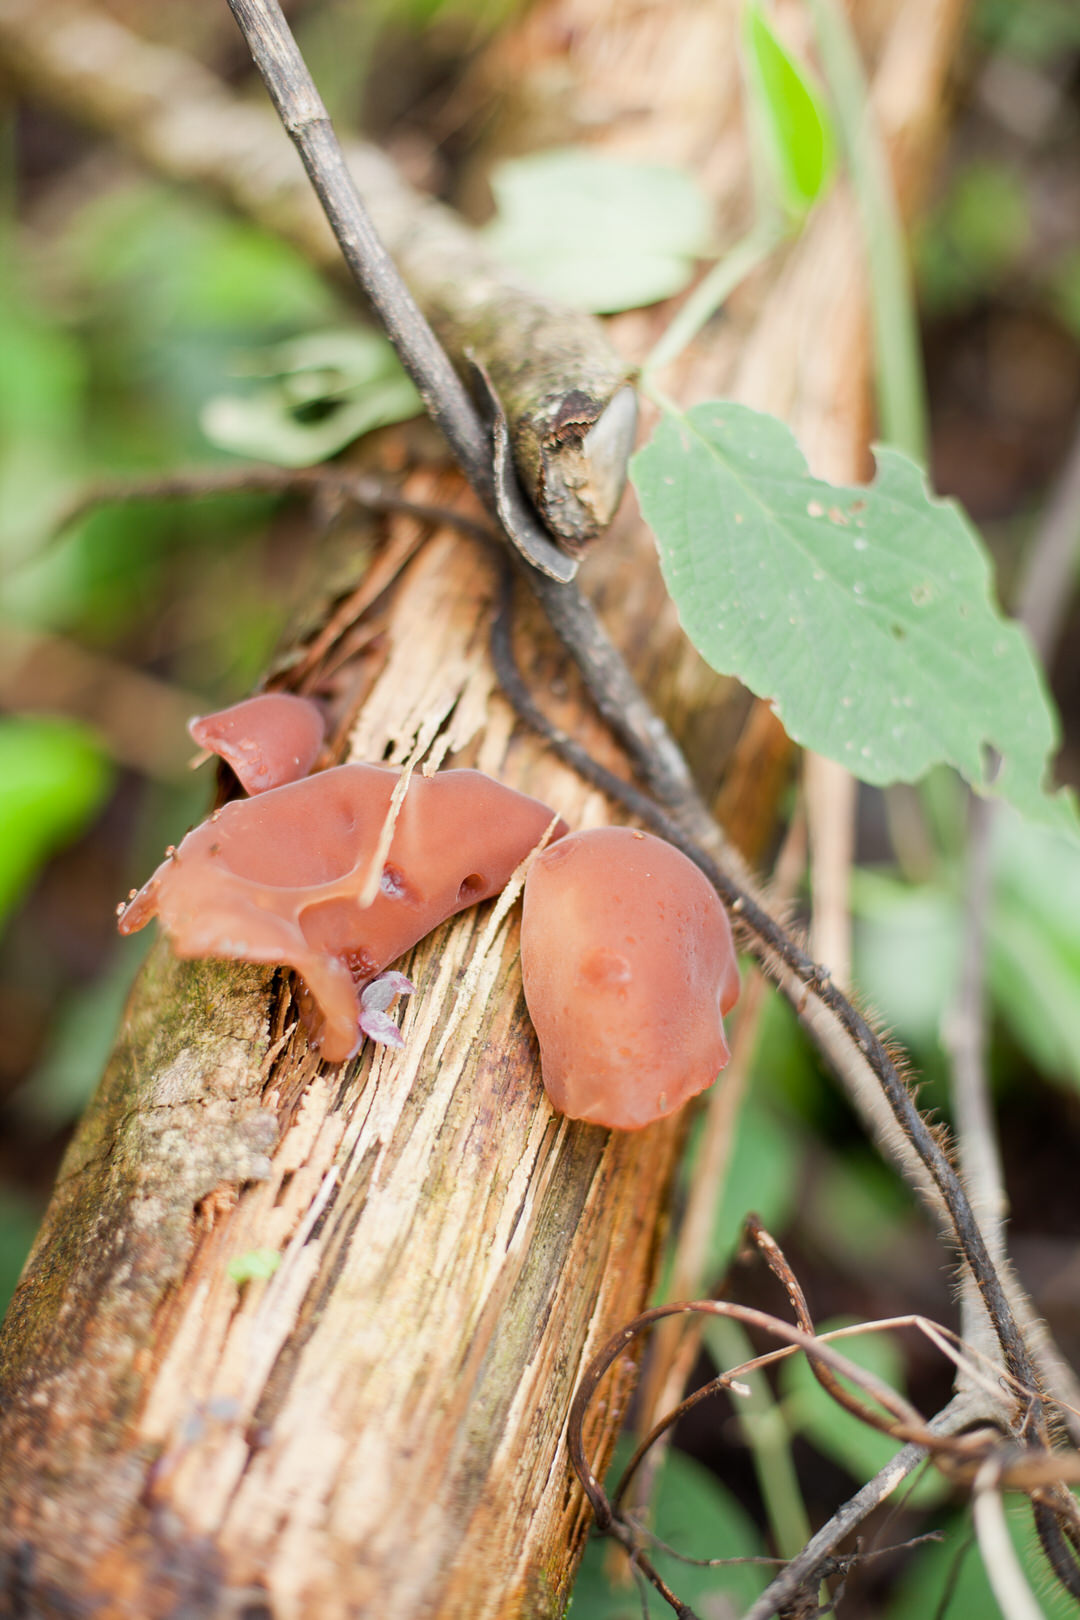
[(629, 966), (268, 740), (278, 878), (627, 955)]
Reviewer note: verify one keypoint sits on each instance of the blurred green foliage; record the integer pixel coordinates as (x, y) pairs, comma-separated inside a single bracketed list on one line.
[(19, 1218), (53, 777), (761, 1176), (693, 1513), (107, 361), (324, 390), (1037, 31), (907, 949), (859, 1448), (952, 1572), (1065, 290), (975, 236), (120, 314), (597, 232)]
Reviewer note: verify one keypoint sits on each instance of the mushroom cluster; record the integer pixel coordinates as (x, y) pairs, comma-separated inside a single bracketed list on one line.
[(627, 955)]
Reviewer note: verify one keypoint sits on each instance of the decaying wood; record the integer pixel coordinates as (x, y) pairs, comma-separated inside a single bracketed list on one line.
[(379, 1428), (451, 1250)]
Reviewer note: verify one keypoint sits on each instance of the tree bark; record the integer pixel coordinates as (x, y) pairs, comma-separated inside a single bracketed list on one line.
[(379, 1428)]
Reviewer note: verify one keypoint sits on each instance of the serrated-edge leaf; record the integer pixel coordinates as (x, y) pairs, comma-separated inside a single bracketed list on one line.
[(790, 115), (865, 614)]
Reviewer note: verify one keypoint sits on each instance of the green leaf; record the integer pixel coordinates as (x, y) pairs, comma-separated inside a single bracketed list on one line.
[(1034, 944), (949, 1579), (789, 117), (256, 1264), (328, 389), (857, 1210), (974, 238), (763, 1176), (838, 1434), (907, 953), (19, 1221), (596, 232), (697, 1516), (864, 614), (53, 777), (1065, 290)]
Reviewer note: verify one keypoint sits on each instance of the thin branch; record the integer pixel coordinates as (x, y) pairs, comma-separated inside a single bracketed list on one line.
[(1002, 1566), (1043, 599), (297, 101), (962, 1454), (307, 122), (1022, 1466), (202, 483), (205, 483), (804, 1568), (965, 1041), (1045, 592)]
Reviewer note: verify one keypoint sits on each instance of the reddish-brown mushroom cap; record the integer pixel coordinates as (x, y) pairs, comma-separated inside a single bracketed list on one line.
[(629, 965), (267, 740), (278, 878)]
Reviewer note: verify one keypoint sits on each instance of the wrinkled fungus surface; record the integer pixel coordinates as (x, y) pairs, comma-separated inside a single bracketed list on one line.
[(277, 878), (267, 740), (629, 966)]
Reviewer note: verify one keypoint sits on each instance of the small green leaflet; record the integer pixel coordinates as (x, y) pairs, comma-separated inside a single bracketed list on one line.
[(328, 389), (598, 233), (788, 116), (255, 1264), (865, 614)]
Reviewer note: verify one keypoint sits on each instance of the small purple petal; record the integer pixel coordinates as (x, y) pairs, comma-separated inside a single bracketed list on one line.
[(378, 1027), (378, 995)]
